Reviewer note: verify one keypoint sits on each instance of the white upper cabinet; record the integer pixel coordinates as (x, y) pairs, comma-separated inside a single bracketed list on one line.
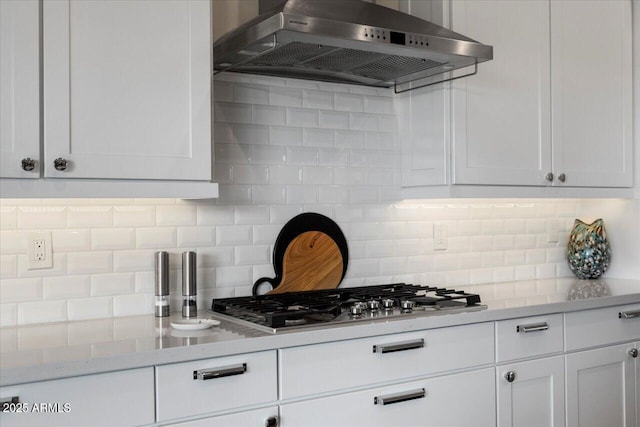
[(552, 109), (19, 89), (592, 92), (127, 89), (501, 119)]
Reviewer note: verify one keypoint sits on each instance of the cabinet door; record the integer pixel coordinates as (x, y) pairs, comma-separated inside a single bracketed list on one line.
[(19, 88), (535, 395), (461, 400), (127, 89), (424, 114), (592, 92), (501, 128), (601, 387), (111, 399)]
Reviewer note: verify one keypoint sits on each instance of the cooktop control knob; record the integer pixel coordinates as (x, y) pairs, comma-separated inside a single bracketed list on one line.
[(407, 306), (358, 308), (388, 303), (373, 305)]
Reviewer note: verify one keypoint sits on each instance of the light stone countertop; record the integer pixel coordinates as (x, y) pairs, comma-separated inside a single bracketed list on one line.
[(57, 350)]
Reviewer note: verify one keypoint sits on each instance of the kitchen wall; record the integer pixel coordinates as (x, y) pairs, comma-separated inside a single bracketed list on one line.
[(282, 147)]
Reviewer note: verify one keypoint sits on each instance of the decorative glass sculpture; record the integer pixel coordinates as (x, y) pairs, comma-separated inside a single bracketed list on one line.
[(588, 251)]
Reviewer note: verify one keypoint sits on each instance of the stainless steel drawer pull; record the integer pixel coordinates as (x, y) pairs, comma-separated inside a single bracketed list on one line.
[(399, 346), (629, 314), (390, 399), (225, 371), (533, 327)]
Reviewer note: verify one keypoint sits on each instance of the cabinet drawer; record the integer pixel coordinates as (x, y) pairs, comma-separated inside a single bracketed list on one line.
[(111, 399), (461, 400), (203, 386), (591, 328), (332, 366), (528, 337)]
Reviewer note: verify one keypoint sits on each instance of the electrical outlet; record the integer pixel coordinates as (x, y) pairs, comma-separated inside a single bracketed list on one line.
[(39, 250), (553, 230), (440, 238)]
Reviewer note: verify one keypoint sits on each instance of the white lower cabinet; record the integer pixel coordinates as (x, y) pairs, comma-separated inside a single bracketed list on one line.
[(601, 387), (264, 417), (531, 393), (460, 400), (123, 398), (205, 386)]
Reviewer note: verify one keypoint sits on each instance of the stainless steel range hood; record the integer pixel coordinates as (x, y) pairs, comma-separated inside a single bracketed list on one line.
[(345, 41)]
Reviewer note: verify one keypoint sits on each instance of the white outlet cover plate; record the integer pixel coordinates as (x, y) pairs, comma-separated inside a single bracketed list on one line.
[(32, 262)]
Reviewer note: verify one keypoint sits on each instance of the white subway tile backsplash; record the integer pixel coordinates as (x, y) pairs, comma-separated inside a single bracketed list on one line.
[(234, 276), (134, 216), (215, 215), (246, 174), (333, 120), (282, 147), (112, 284), (89, 262), (42, 217), (133, 261), (250, 134), (348, 102), (132, 305), (233, 235), (300, 117), (66, 287), (13, 242), (363, 122), (192, 237), (268, 194), (349, 139), (317, 99), (267, 115), (251, 255), (285, 96), (232, 113), (176, 215), (269, 155), (112, 238), (251, 94), (285, 175), (302, 156), (280, 135), (89, 308), (42, 312), (8, 217), (319, 137), (8, 317), (89, 216), (312, 175)]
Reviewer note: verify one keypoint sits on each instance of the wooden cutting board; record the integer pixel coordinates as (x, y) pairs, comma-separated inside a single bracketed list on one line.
[(310, 253), (312, 261)]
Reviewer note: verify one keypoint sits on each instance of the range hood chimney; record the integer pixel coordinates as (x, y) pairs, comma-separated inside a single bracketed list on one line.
[(345, 41)]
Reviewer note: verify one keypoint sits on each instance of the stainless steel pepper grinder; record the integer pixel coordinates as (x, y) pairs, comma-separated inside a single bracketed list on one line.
[(162, 284), (189, 269)]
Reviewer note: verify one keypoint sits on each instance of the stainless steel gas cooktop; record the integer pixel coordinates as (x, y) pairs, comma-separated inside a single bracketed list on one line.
[(336, 307)]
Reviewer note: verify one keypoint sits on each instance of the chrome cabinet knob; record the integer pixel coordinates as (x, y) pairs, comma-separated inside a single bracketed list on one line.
[(549, 177), (562, 177), (510, 376), (60, 164), (28, 164), (633, 352)]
